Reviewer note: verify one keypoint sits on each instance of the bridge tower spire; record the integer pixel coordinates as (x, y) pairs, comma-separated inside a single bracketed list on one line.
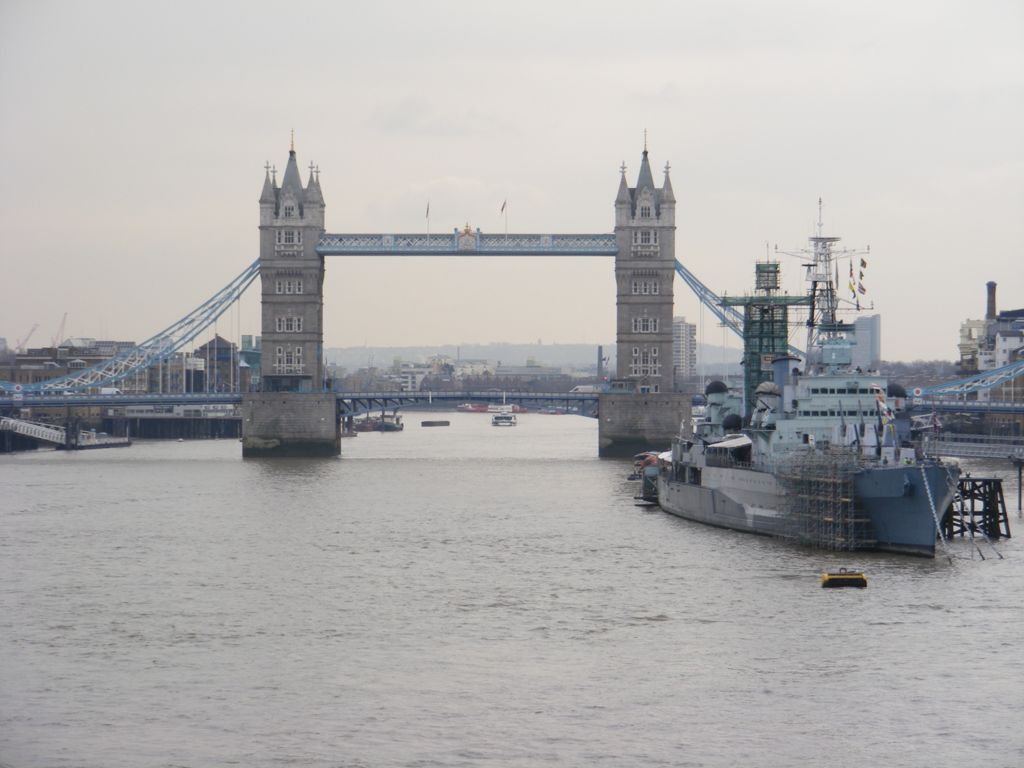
[(644, 271)]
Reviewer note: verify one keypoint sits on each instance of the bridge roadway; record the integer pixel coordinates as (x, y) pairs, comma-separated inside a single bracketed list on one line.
[(974, 446), (353, 403), (349, 403), (955, 405)]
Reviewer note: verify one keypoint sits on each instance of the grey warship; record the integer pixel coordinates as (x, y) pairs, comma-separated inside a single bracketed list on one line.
[(819, 454)]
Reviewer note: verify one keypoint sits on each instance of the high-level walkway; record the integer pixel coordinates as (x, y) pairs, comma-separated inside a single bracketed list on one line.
[(466, 243)]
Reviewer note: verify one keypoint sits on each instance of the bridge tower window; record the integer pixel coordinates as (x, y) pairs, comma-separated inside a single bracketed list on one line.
[(289, 211), (645, 325), (645, 211)]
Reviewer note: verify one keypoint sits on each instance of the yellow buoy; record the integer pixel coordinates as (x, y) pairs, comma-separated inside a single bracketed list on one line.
[(844, 578)]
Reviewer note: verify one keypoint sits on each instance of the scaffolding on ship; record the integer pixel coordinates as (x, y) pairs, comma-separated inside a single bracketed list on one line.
[(821, 508)]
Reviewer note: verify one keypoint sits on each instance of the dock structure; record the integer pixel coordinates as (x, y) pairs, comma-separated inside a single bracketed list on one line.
[(69, 438), (978, 508)]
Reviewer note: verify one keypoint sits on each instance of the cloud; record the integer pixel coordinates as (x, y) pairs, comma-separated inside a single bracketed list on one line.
[(418, 117)]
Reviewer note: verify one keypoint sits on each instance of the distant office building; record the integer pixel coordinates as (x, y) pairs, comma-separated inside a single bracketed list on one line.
[(867, 352), (684, 348)]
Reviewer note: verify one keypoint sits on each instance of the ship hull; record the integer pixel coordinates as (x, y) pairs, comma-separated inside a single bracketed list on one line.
[(892, 501)]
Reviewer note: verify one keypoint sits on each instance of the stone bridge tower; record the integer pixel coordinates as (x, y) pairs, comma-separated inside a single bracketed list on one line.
[(292, 276), (645, 229), (293, 415), (641, 409)]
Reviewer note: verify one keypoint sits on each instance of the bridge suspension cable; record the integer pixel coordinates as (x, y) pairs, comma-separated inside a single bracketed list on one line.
[(977, 382), (153, 350)]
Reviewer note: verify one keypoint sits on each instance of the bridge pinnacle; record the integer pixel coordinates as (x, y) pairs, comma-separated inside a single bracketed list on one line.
[(267, 195)]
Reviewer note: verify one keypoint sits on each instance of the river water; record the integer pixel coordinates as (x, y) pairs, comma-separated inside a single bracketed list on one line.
[(470, 596)]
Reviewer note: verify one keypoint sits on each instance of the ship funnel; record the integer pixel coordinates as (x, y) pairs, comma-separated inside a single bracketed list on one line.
[(781, 370)]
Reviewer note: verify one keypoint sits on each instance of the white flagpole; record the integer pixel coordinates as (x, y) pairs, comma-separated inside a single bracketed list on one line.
[(428, 221)]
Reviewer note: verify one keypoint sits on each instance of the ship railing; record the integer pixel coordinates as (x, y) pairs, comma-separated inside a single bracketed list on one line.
[(726, 462)]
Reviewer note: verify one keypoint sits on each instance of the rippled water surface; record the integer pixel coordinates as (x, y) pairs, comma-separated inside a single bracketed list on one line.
[(470, 596)]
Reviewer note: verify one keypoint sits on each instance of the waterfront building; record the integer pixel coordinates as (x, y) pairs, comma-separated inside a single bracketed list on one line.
[(465, 368), (43, 363), (409, 376), (220, 358), (528, 375), (996, 341), (993, 342)]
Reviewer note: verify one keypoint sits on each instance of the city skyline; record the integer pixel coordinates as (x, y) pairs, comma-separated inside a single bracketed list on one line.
[(136, 162)]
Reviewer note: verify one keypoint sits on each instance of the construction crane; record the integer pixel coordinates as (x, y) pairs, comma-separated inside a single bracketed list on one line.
[(19, 346), (56, 340)]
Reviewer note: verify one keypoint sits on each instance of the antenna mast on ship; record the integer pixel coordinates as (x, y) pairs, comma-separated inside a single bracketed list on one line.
[(823, 323)]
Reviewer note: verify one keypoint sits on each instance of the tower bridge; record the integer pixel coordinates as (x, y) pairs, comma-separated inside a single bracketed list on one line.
[(295, 415)]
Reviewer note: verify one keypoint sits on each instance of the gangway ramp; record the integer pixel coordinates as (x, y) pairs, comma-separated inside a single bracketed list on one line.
[(58, 436)]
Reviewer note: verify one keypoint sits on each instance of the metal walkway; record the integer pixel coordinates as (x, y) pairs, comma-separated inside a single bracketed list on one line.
[(467, 243), (59, 435)]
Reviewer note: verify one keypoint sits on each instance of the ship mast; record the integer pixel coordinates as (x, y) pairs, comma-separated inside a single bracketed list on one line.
[(823, 322)]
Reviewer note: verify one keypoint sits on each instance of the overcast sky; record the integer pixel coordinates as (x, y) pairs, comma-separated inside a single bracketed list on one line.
[(134, 136)]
